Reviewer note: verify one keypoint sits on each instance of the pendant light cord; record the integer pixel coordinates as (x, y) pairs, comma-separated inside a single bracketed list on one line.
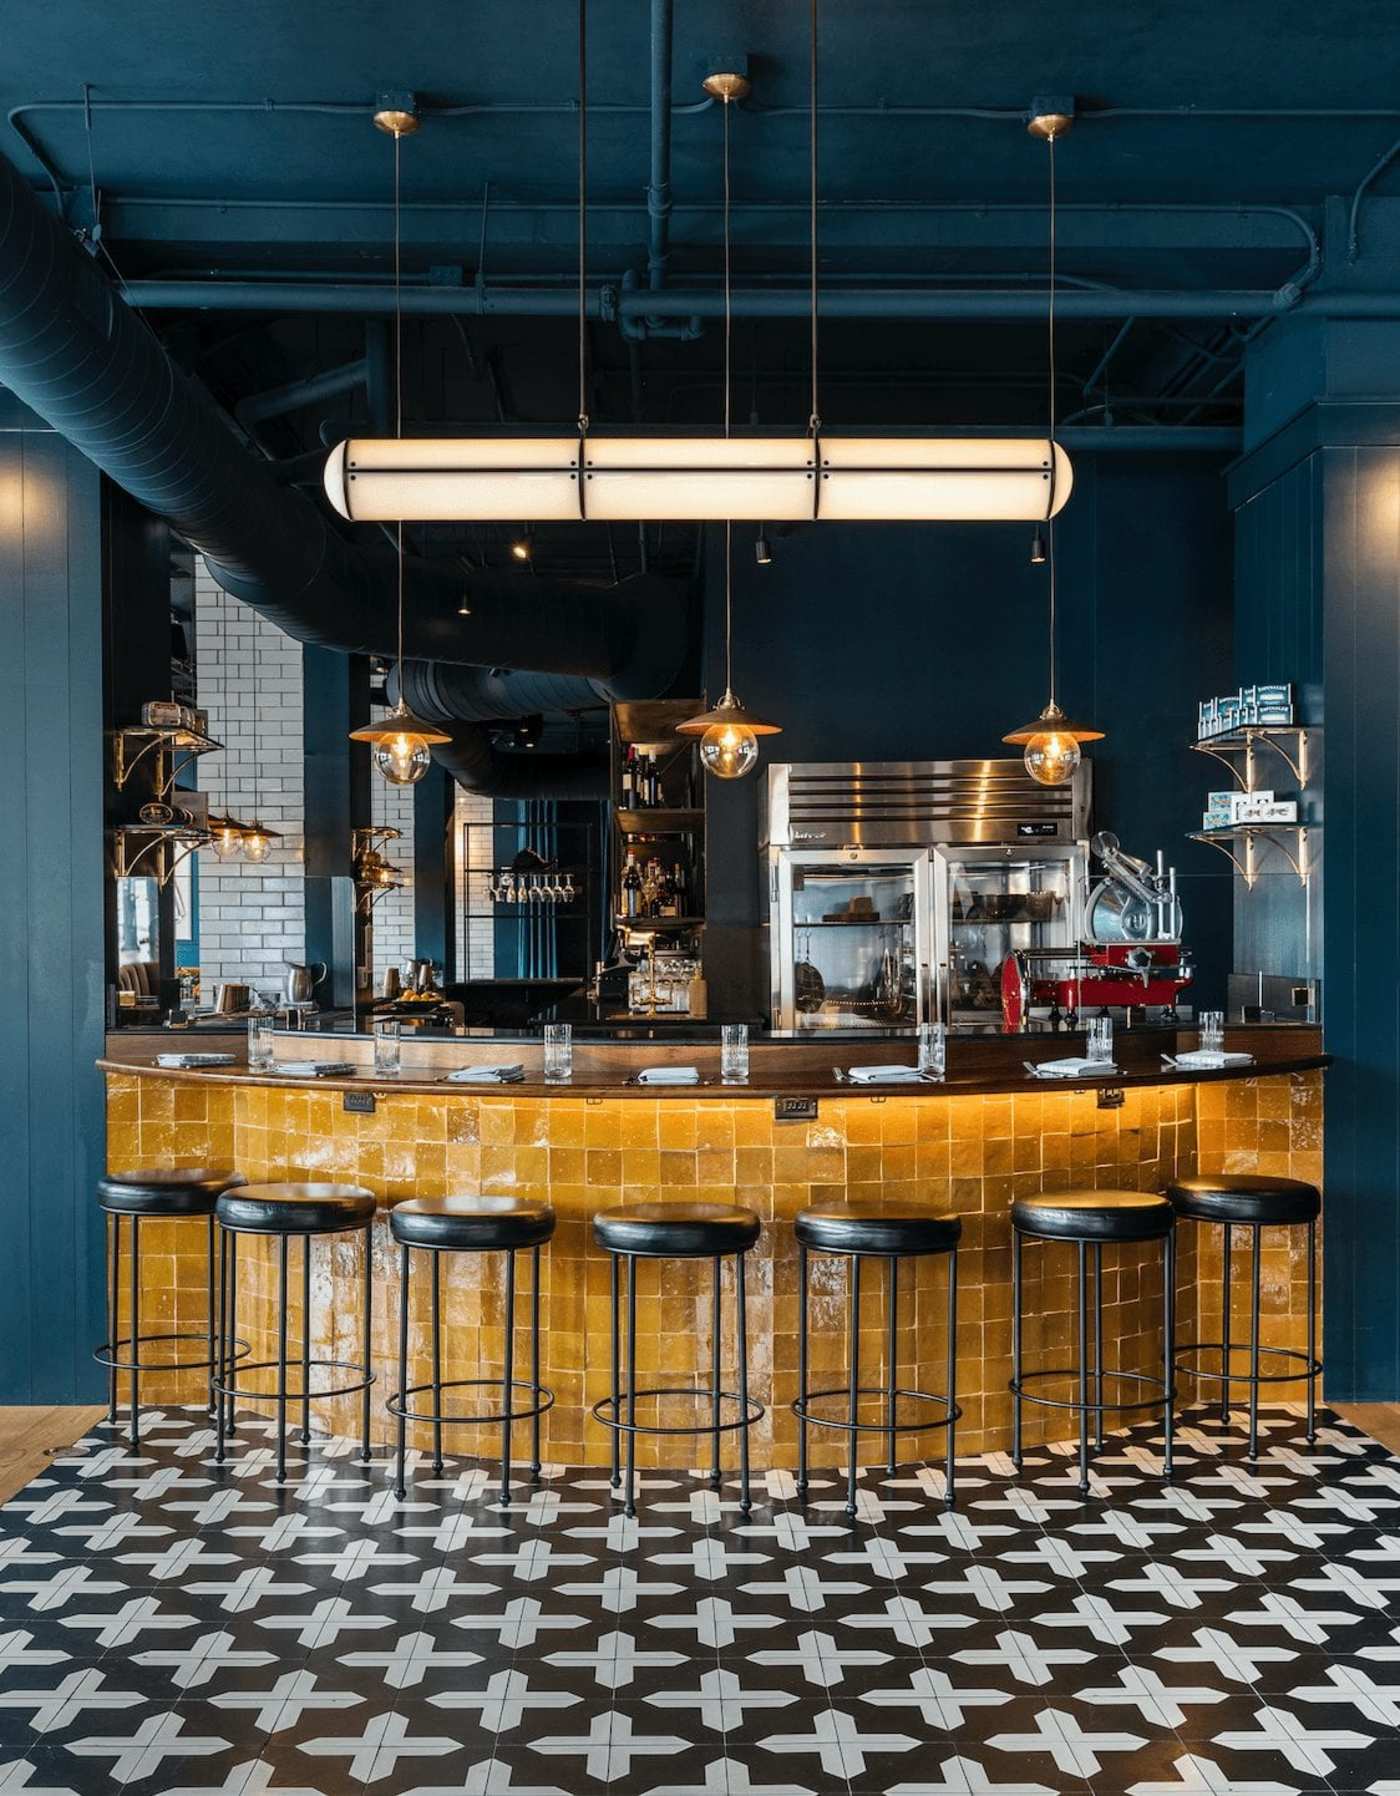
[(398, 376), (1050, 545), (582, 219), (814, 422), (728, 610), (728, 315)]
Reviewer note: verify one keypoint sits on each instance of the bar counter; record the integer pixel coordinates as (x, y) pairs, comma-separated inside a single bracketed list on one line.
[(989, 1134)]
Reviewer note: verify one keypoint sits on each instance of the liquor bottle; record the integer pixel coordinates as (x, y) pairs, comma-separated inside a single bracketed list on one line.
[(678, 886), (628, 780), (631, 887)]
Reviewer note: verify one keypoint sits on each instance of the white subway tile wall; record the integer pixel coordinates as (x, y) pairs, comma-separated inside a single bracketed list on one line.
[(475, 939), (251, 917), (392, 916)]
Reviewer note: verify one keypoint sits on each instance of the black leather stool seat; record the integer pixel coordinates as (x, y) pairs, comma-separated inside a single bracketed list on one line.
[(296, 1209), (166, 1191), (1245, 1197), (471, 1224), (876, 1228), (675, 1231), (1094, 1215)]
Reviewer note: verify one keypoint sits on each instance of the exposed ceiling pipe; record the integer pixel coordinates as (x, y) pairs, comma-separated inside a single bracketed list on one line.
[(278, 401), (73, 352), (478, 765), (659, 184)]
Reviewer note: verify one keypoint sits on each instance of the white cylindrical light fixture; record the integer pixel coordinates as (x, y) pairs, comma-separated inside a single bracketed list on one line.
[(754, 479)]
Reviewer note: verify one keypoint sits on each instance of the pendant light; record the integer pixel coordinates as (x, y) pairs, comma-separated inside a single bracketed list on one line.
[(728, 733), (1051, 742), (401, 743)]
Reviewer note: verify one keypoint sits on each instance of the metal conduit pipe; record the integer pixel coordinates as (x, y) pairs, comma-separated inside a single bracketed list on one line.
[(72, 351), (465, 700), (277, 401)]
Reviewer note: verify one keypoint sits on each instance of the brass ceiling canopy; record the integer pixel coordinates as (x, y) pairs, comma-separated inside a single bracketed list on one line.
[(727, 85), (1050, 116), (397, 113)]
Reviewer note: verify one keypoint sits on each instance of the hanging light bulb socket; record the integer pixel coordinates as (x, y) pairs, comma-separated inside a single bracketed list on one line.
[(1052, 745), (1038, 553), (400, 742), (762, 549)]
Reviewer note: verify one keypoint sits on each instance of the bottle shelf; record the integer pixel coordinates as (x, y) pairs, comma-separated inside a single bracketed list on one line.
[(659, 821), (659, 925)]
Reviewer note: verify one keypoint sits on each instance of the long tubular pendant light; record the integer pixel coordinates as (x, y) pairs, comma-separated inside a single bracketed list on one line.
[(500, 478), (1051, 742)]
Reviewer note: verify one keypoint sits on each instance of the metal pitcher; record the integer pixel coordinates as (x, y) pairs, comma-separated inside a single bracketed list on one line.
[(301, 981)]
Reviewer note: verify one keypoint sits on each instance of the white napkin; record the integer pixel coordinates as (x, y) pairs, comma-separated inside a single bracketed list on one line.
[(872, 1075), (1072, 1068), (313, 1069), (669, 1075), (506, 1072), (188, 1060), (1206, 1059)]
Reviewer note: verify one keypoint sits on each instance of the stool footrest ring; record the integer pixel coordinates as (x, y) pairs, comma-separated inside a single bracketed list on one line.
[(607, 1410), (395, 1403), (1158, 1386), (230, 1387), (105, 1354), (1307, 1368), (952, 1411)]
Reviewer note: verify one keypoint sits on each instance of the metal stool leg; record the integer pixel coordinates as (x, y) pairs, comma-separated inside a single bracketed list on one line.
[(630, 1499), (436, 1290), (716, 1373), (508, 1382), (209, 1312), (114, 1305), (399, 1489), (369, 1342), (134, 1431), (305, 1340), (802, 1369), (1311, 1434), (282, 1360), (952, 1445), (1083, 1375), (853, 1406), (1168, 1347), (535, 1362), (232, 1335), (1225, 1327), (1016, 1245), (225, 1363), (741, 1305), (1254, 1348), (892, 1365), (616, 1380), (1098, 1345)]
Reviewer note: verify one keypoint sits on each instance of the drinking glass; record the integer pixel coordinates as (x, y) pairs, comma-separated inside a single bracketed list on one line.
[(260, 1043), (734, 1053), (933, 1050), (387, 1049), (1212, 1031), (558, 1053), (1100, 1044)]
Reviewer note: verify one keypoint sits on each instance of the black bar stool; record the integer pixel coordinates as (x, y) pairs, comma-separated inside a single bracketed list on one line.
[(677, 1231), (1091, 1219), (164, 1194), (440, 1225), (875, 1231), (280, 1212), (1253, 1201)]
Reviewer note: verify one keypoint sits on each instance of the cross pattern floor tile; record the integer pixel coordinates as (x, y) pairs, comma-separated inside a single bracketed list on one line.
[(172, 1627)]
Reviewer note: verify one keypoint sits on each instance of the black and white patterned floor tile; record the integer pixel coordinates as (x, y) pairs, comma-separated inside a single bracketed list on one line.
[(175, 1629)]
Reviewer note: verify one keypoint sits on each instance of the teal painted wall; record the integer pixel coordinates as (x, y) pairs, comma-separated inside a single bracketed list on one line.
[(52, 1138)]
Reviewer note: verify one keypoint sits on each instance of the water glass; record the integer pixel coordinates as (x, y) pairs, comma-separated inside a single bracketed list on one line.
[(387, 1049), (1212, 1031), (558, 1053), (1100, 1040), (260, 1043), (933, 1050), (734, 1053)]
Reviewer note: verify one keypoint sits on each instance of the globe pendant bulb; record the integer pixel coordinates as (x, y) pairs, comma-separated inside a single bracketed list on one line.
[(729, 750), (402, 758), (1052, 756), (227, 843), (256, 846)]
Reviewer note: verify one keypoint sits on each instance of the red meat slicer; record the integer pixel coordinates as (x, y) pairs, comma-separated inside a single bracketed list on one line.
[(1130, 958)]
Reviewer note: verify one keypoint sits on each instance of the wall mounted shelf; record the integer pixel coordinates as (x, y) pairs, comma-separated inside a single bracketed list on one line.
[(1290, 839), (174, 749), (168, 844), (1235, 749)]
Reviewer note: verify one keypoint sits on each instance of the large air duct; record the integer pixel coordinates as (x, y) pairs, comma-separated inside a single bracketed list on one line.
[(76, 354)]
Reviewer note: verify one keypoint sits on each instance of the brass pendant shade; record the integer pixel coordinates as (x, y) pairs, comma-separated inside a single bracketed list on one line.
[(400, 722), (727, 712), (1052, 720)]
